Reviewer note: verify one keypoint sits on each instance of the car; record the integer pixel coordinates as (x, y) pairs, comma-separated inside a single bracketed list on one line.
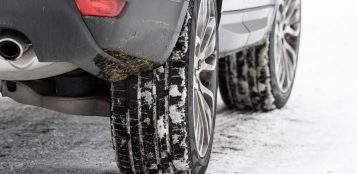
[(153, 67)]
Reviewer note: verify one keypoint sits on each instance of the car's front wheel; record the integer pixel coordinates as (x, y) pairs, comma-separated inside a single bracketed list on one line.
[(163, 121), (261, 77)]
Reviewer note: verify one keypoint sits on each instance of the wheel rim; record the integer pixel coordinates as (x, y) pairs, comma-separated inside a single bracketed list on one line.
[(286, 38), (204, 78)]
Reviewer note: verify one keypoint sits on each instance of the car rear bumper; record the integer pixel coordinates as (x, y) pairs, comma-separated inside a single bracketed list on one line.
[(142, 36)]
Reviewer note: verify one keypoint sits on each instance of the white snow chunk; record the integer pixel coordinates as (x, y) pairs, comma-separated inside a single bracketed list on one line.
[(183, 97), (176, 115), (182, 73), (176, 55), (161, 129), (148, 97), (161, 69), (180, 165), (175, 139), (261, 86), (174, 92), (147, 121), (153, 166), (163, 155)]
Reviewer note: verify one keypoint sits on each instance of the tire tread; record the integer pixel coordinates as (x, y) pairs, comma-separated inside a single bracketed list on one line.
[(245, 81)]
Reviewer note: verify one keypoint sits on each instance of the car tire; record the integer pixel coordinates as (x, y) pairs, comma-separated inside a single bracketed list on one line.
[(261, 77), (157, 126)]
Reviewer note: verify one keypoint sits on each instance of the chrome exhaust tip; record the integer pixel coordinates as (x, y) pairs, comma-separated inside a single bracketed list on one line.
[(12, 49)]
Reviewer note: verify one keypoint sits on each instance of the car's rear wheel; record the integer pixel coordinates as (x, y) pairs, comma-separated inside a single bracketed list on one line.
[(262, 77), (163, 121)]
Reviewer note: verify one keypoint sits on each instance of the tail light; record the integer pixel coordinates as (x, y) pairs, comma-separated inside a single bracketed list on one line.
[(101, 8)]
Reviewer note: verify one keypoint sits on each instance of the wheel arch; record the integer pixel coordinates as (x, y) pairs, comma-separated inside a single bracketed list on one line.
[(145, 29)]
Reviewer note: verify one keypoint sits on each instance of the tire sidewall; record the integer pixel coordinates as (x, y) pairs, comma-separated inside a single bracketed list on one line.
[(199, 164), (281, 98)]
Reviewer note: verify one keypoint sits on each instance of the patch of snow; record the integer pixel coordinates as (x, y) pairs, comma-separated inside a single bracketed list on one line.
[(180, 165), (174, 92), (161, 69), (163, 155), (177, 115), (176, 55), (161, 128), (147, 121), (153, 166), (148, 97), (175, 139), (182, 73)]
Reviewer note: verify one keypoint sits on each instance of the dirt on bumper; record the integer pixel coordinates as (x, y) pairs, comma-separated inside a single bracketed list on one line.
[(121, 66)]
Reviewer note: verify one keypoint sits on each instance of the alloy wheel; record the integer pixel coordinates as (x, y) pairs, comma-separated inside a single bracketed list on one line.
[(204, 78), (286, 41)]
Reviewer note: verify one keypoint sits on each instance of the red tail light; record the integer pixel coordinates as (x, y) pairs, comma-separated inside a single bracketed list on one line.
[(102, 8)]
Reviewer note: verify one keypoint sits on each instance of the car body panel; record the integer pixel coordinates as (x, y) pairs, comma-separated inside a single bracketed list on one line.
[(55, 29), (244, 23), (258, 3), (232, 32), (58, 33), (234, 5), (258, 22), (145, 29)]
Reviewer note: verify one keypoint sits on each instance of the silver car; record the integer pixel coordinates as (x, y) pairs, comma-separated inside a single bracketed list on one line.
[(153, 66)]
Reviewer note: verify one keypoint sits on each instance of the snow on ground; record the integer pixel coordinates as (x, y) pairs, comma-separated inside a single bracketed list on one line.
[(315, 134)]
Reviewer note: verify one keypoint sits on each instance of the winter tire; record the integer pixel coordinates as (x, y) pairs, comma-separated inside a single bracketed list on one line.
[(261, 77), (163, 121)]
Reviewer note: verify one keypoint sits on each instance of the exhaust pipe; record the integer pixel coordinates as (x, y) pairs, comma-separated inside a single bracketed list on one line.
[(12, 47)]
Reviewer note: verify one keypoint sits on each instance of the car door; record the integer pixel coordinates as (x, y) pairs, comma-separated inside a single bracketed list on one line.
[(244, 22)]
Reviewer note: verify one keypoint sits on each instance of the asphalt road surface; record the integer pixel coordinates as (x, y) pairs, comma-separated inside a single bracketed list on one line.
[(315, 134)]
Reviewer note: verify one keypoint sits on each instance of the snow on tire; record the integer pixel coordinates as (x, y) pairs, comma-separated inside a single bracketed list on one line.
[(152, 113), (262, 77), (245, 79)]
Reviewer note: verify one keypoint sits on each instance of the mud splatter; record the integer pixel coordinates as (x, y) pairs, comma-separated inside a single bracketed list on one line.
[(121, 66)]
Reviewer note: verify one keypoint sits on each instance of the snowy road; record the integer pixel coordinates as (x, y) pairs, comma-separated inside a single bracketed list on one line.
[(315, 134)]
